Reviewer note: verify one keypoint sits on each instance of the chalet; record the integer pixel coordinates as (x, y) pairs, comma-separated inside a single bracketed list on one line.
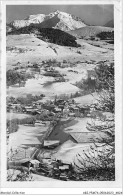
[(45, 112), (60, 101), (61, 107), (51, 143), (66, 111), (31, 110), (85, 137), (64, 167), (84, 109), (56, 110), (28, 107), (38, 106), (48, 107), (63, 176), (71, 101), (35, 163), (39, 123), (71, 114)]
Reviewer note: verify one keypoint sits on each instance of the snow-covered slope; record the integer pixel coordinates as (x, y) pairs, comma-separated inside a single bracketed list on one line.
[(57, 19), (26, 48)]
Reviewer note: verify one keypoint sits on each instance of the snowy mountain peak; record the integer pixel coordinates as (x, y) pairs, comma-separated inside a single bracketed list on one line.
[(38, 17), (57, 19)]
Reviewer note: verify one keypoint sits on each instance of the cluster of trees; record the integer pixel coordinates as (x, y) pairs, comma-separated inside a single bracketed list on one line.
[(58, 37), (15, 77), (102, 82), (106, 35), (48, 34), (95, 163), (13, 125), (106, 87), (98, 166), (29, 99)]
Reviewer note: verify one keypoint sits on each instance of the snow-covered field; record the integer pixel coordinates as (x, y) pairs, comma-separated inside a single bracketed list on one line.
[(36, 50), (26, 136), (11, 115), (36, 87)]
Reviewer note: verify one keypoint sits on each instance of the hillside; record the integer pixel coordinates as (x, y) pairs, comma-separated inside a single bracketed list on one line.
[(110, 24), (48, 34), (58, 20), (89, 31)]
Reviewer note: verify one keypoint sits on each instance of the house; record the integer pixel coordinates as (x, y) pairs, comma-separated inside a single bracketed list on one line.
[(84, 109), (45, 112), (65, 111), (51, 143), (39, 123), (35, 163), (48, 107), (71, 114), (38, 106), (64, 167), (85, 137), (60, 101), (31, 110), (56, 110), (63, 176)]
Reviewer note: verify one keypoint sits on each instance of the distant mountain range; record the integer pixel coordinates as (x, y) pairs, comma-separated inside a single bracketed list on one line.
[(58, 27), (57, 20)]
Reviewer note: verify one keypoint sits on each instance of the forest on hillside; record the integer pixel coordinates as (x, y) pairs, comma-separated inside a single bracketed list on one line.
[(51, 35)]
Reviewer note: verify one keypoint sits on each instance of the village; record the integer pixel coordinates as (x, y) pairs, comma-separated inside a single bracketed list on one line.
[(47, 114), (64, 118)]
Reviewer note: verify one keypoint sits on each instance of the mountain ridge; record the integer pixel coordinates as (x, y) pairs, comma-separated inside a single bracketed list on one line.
[(90, 31), (63, 21), (110, 24)]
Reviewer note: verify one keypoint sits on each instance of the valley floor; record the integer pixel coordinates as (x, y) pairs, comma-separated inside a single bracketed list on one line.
[(23, 51)]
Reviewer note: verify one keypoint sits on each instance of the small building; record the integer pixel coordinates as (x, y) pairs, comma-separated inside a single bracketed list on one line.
[(56, 110), (60, 101), (64, 167), (63, 176), (48, 107), (35, 163), (85, 137), (39, 123), (71, 114), (84, 109), (51, 143), (66, 111)]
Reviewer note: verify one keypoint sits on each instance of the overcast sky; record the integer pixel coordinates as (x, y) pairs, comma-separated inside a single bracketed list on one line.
[(91, 14)]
